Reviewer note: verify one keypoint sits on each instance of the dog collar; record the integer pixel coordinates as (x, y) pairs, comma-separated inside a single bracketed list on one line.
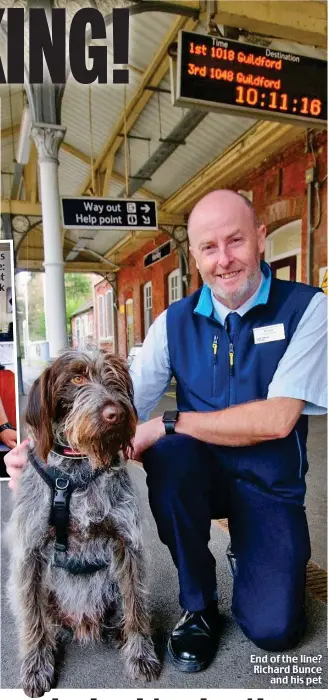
[(66, 451)]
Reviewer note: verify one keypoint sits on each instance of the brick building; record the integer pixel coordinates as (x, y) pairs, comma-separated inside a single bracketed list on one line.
[(289, 193), (82, 325), (104, 314)]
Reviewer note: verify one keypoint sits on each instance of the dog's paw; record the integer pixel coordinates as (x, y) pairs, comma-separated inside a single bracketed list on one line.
[(37, 678), (143, 669), (35, 685), (141, 660)]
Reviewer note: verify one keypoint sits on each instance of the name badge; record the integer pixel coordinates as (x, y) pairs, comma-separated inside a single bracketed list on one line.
[(267, 334)]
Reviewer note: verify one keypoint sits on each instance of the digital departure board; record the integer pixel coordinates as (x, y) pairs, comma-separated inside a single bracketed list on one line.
[(222, 74)]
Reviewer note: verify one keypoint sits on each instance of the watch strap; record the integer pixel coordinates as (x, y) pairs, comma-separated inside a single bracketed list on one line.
[(169, 420), (169, 426), (6, 426)]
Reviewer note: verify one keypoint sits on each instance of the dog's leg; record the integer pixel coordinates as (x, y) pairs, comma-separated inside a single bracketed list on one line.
[(138, 650), (36, 629)]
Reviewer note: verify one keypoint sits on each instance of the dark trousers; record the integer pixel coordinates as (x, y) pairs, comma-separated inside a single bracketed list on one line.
[(189, 484)]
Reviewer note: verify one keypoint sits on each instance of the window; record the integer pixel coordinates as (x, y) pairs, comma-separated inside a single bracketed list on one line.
[(284, 243), (85, 326), (101, 324), (109, 313), (105, 315), (174, 286), (147, 306), (90, 327), (77, 328), (130, 324)]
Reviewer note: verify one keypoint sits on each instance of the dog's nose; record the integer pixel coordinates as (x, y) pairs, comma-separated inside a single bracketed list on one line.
[(111, 414)]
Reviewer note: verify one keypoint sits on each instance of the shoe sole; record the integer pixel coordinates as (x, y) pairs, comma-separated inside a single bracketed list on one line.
[(192, 666)]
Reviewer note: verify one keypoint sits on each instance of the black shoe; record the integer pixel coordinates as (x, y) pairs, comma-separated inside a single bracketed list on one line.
[(194, 641), (231, 561)]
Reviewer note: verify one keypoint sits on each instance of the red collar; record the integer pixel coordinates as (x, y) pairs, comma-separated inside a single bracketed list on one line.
[(66, 451)]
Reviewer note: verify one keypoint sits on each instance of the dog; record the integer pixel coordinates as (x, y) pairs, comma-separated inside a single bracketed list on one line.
[(74, 533)]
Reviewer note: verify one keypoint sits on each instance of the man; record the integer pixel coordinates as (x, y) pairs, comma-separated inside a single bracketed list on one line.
[(248, 354)]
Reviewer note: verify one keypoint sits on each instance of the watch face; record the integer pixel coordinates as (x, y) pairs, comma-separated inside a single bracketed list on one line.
[(170, 415)]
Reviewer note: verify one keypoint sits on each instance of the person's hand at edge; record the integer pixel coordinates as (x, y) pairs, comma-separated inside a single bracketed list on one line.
[(15, 460), (9, 437)]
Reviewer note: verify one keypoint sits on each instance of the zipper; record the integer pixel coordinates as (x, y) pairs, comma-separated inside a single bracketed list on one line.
[(300, 455), (232, 389), (231, 358), (231, 381), (214, 363)]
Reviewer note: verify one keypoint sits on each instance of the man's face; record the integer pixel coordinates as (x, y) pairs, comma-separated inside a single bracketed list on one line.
[(226, 244)]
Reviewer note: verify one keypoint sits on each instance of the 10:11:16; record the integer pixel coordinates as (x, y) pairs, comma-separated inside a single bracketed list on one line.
[(277, 101)]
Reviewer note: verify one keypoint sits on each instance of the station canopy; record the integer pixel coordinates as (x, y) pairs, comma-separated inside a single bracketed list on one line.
[(131, 141)]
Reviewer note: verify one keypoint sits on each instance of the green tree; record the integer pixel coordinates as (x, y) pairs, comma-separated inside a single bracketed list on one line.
[(78, 290), (36, 313)]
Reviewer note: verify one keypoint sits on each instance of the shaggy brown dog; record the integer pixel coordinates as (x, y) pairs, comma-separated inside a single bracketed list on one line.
[(71, 568)]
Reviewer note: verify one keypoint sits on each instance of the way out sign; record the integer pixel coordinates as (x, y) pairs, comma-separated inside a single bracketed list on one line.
[(111, 214)]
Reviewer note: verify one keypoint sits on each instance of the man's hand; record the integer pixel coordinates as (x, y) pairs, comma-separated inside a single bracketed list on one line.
[(146, 435), (15, 461), (9, 437)]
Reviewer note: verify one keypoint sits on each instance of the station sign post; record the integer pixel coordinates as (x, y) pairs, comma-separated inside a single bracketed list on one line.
[(224, 75), (110, 214)]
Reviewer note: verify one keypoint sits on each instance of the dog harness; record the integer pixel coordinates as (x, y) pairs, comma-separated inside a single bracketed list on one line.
[(62, 486)]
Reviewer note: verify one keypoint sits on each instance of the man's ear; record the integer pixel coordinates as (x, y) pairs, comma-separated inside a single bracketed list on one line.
[(192, 252), (261, 237)]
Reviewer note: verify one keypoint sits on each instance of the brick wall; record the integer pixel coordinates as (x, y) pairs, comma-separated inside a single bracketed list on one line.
[(131, 280), (280, 194)]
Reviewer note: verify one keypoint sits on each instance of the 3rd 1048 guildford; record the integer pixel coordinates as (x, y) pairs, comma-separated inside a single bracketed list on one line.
[(254, 97)]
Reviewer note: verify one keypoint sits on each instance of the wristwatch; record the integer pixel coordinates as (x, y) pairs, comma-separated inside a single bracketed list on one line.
[(169, 419), (6, 426)]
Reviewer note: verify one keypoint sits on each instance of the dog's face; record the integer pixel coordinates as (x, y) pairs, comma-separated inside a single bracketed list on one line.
[(87, 401)]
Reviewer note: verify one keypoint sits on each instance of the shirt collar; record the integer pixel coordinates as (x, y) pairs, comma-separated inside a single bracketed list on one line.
[(209, 306)]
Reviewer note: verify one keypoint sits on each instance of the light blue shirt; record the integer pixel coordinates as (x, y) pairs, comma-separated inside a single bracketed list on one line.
[(301, 373)]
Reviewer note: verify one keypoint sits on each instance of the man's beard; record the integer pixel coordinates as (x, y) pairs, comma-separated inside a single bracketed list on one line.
[(240, 295)]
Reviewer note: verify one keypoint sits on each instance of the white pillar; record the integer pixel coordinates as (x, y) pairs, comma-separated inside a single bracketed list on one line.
[(48, 138)]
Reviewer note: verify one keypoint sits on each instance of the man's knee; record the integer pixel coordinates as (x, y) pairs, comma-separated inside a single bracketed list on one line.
[(277, 634), (172, 460), (165, 448), (175, 477)]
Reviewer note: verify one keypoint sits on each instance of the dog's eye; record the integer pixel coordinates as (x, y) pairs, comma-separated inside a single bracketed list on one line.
[(79, 380)]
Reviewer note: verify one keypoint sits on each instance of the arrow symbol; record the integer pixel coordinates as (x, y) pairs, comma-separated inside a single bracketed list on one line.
[(146, 208), (146, 219)]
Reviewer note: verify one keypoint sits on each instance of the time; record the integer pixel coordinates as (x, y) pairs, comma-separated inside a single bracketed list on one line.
[(278, 101)]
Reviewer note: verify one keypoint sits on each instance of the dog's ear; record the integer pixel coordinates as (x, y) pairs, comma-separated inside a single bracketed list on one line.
[(39, 413)]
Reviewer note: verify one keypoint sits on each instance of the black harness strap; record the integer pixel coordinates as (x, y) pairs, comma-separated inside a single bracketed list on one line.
[(62, 487)]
